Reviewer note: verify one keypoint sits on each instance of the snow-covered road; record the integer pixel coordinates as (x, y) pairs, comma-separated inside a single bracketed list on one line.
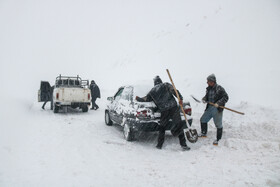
[(40, 148)]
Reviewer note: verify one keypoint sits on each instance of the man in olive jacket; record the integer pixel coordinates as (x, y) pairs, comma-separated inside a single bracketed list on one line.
[(215, 94)]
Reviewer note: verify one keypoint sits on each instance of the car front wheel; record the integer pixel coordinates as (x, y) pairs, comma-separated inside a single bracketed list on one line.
[(108, 119)]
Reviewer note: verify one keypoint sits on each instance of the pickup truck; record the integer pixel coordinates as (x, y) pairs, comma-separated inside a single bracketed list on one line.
[(67, 92)]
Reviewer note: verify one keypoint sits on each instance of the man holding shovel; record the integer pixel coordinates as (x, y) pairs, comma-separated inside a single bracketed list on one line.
[(214, 94), (163, 96)]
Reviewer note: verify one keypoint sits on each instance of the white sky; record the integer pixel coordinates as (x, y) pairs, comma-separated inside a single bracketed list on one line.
[(116, 42)]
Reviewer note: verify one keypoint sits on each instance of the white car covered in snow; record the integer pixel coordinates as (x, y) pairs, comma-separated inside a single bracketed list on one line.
[(69, 92), (134, 116)]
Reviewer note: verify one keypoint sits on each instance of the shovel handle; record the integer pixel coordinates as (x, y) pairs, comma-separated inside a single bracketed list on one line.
[(219, 106), (228, 109), (178, 97)]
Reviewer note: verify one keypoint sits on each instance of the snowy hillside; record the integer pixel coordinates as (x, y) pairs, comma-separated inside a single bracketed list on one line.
[(122, 42)]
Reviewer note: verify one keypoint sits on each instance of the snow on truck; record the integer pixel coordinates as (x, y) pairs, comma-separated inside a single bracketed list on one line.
[(68, 92)]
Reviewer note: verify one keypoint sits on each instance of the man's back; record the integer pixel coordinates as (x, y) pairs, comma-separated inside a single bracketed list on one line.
[(162, 95)]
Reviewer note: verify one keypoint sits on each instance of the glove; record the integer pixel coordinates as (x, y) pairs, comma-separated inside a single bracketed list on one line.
[(203, 100), (216, 105)]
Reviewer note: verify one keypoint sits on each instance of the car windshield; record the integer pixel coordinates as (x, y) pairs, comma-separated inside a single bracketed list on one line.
[(141, 90)]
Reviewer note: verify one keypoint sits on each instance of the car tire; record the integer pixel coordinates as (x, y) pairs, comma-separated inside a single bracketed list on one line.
[(108, 120), (55, 108), (85, 108), (129, 135)]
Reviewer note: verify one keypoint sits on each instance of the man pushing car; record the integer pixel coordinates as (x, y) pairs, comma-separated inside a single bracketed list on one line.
[(162, 94)]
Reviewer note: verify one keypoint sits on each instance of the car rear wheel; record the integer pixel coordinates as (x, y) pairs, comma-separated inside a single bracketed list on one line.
[(108, 119), (85, 108), (55, 108), (128, 133)]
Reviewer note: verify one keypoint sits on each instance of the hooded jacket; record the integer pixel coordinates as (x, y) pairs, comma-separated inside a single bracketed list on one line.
[(220, 96), (163, 96)]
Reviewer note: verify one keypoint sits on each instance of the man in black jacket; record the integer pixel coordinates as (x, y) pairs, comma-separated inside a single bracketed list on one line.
[(215, 94), (163, 96), (49, 98), (95, 93)]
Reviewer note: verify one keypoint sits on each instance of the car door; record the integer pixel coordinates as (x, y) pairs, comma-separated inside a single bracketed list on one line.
[(124, 104), (114, 106), (44, 94)]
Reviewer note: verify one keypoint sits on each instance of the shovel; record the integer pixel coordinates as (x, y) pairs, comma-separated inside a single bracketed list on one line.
[(219, 106), (191, 134)]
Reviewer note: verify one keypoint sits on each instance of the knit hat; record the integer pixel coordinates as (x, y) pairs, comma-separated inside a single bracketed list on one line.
[(212, 78), (157, 80)]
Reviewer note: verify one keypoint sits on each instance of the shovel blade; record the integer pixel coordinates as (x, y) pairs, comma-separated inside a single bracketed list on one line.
[(192, 135)]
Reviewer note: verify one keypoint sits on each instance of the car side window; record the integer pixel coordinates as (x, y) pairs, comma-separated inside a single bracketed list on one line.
[(118, 94)]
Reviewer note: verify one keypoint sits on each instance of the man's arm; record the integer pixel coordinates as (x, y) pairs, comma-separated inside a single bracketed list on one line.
[(224, 98), (147, 98), (171, 89)]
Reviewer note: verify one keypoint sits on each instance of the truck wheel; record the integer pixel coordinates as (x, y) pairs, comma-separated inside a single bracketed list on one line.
[(85, 108), (108, 120), (55, 109), (128, 133)]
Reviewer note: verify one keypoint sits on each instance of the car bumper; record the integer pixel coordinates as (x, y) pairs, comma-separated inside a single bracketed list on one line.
[(149, 126), (71, 103)]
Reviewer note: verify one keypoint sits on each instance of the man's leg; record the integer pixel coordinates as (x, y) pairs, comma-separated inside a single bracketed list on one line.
[(43, 107), (176, 119), (161, 136), (96, 106), (51, 104), (205, 118), (218, 119), (163, 121), (93, 103)]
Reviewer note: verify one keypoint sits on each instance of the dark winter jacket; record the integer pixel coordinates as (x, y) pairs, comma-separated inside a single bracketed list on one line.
[(220, 96), (95, 92), (162, 95)]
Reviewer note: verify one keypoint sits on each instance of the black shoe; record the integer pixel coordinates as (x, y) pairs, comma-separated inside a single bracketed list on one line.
[(43, 108), (185, 147), (96, 108), (158, 146), (216, 142), (91, 108)]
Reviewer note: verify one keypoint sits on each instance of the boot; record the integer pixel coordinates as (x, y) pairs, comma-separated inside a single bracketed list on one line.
[(204, 128), (219, 135), (185, 147)]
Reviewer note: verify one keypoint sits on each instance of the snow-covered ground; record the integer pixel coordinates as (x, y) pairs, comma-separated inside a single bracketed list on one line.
[(121, 42), (78, 149)]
